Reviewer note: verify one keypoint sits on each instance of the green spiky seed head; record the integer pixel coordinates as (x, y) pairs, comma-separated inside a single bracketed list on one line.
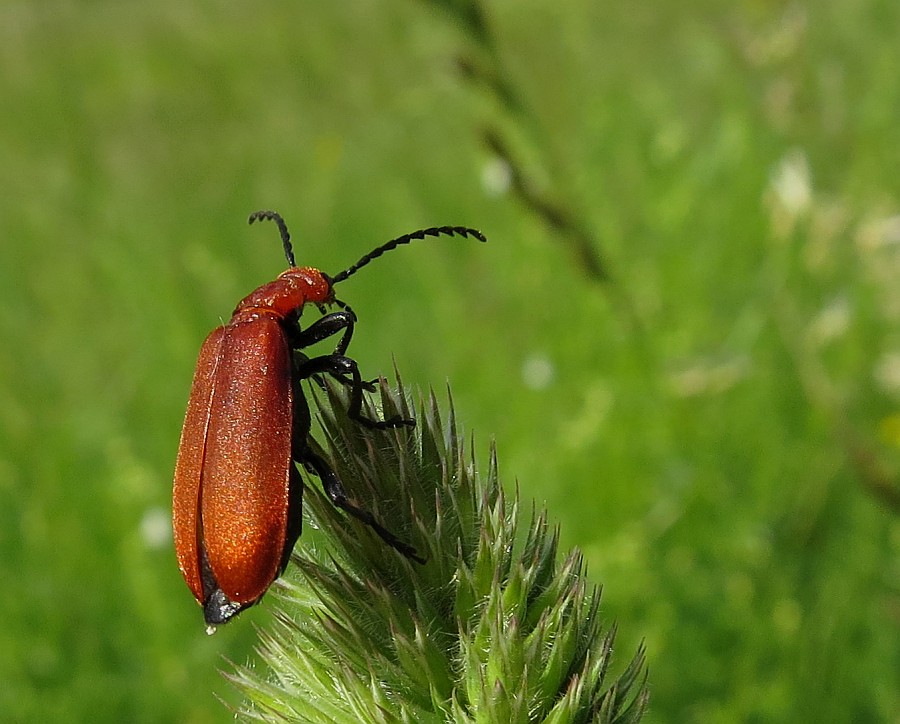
[(492, 628)]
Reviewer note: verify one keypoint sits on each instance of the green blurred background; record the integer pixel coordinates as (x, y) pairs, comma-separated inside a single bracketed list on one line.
[(716, 422)]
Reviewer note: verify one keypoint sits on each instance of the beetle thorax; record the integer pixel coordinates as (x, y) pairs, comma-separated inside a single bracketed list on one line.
[(289, 292)]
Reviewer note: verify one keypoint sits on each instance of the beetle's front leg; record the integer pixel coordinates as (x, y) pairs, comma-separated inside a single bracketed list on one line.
[(325, 327), (321, 329)]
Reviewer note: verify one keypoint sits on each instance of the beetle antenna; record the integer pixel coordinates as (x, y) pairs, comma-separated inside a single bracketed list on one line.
[(282, 228), (346, 307), (405, 239)]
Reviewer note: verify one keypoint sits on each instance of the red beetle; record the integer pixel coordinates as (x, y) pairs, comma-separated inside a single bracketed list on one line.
[(237, 494)]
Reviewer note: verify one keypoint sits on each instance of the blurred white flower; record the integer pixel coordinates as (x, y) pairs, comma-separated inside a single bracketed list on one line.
[(496, 177), (538, 372), (791, 185)]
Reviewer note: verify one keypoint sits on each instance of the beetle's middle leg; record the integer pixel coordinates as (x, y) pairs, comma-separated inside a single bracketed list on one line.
[(346, 371)]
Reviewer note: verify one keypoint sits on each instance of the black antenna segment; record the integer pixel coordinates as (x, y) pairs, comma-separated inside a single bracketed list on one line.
[(463, 231), (282, 228)]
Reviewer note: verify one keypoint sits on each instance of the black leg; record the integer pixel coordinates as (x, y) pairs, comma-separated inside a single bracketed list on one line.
[(346, 371), (325, 327), (300, 364), (331, 483), (321, 329), (334, 489)]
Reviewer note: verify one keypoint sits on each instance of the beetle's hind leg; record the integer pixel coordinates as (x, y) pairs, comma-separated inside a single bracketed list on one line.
[(334, 489), (331, 483)]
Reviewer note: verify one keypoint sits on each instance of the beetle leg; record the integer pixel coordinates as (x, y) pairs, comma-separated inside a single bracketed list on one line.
[(345, 370), (334, 489), (317, 377), (327, 326), (321, 329)]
